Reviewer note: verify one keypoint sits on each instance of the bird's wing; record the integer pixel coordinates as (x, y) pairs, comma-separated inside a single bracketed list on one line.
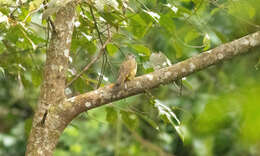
[(123, 72)]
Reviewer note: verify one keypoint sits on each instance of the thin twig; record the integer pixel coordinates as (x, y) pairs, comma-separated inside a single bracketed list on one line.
[(101, 51), (95, 23), (104, 59)]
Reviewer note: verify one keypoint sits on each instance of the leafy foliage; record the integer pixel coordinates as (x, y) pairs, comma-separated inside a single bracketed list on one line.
[(217, 113)]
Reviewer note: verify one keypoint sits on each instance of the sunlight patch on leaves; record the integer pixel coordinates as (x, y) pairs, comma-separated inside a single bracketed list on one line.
[(100, 4), (206, 42), (3, 18), (76, 148), (88, 37), (138, 26), (165, 110), (242, 9), (191, 35), (141, 49), (154, 15), (166, 21), (178, 49), (33, 5), (2, 70), (166, 115), (172, 7), (6, 2), (111, 49)]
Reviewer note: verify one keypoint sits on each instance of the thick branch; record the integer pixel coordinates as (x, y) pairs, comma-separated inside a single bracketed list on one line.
[(47, 125), (110, 93)]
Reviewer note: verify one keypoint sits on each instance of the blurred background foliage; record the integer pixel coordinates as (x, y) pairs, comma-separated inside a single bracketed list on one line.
[(215, 113)]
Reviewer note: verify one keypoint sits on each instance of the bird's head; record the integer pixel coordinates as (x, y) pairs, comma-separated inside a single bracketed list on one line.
[(130, 56)]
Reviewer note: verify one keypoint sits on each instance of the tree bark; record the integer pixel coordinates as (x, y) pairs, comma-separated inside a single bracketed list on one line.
[(48, 124), (55, 112)]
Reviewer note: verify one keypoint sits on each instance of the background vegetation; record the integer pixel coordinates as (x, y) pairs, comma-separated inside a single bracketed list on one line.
[(218, 108)]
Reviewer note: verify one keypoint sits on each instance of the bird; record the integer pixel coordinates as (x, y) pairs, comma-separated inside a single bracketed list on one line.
[(127, 70)]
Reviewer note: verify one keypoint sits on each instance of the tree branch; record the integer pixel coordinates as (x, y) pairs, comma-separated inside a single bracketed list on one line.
[(47, 125), (110, 93)]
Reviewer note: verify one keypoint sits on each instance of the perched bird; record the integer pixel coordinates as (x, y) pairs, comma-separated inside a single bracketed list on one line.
[(159, 60), (127, 70)]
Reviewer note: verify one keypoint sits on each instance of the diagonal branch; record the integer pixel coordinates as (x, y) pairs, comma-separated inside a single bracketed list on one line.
[(110, 93)]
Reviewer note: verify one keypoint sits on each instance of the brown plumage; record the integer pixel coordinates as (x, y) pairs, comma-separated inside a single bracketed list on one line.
[(127, 70)]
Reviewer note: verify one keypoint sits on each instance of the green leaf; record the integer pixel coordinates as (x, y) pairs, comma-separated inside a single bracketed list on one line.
[(257, 64), (129, 119), (80, 85), (61, 152), (172, 7), (166, 115), (154, 15), (165, 110), (251, 12), (243, 9), (187, 84), (111, 49), (112, 18), (35, 4), (72, 131), (148, 120), (184, 11), (138, 26), (141, 49), (167, 22), (28, 126), (76, 148), (178, 49), (36, 78), (2, 70), (111, 115), (13, 34), (90, 46), (206, 42), (221, 37), (6, 2), (191, 35), (215, 11)]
